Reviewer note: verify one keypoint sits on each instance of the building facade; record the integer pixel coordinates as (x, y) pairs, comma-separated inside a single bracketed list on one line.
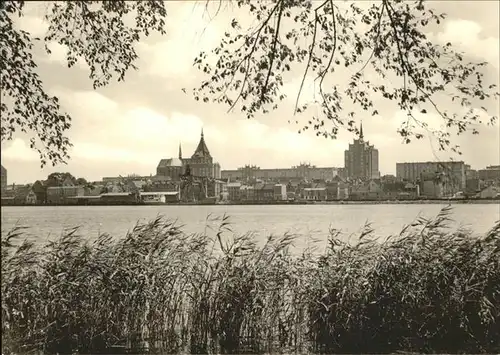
[(63, 194), (491, 173), (453, 171), (3, 179), (302, 171), (361, 159), (470, 174), (201, 164)]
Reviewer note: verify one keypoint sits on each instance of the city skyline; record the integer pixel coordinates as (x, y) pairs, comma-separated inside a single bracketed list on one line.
[(175, 166), (43, 173), (128, 127)]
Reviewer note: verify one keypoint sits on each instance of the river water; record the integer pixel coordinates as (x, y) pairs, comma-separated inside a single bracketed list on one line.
[(306, 220)]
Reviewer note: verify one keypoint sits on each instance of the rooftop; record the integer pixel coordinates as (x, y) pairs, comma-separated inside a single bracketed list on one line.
[(173, 162), (202, 149), (159, 193), (116, 194)]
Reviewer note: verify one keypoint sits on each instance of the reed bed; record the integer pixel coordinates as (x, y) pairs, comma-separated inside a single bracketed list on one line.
[(160, 290)]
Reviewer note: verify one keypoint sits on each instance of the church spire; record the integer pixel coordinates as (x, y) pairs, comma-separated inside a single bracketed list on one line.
[(202, 150), (361, 131), (180, 151)]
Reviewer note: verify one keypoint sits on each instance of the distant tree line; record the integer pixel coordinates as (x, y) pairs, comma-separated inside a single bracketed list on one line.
[(57, 179)]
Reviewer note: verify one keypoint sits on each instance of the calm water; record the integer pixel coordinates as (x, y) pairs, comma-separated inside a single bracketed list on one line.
[(315, 220)]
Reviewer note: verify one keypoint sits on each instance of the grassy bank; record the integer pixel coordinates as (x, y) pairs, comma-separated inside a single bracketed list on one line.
[(428, 289)]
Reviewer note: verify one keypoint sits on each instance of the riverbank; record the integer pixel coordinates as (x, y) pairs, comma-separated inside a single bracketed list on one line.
[(281, 203), (373, 202), (428, 290), (414, 202)]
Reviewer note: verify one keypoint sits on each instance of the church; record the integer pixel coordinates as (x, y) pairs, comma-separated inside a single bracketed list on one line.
[(201, 164)]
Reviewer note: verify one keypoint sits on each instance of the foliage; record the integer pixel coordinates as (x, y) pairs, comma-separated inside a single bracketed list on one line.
[(81, 181), (383, 48), (429, 289), (102, 34), (374, 45), (57, 179)]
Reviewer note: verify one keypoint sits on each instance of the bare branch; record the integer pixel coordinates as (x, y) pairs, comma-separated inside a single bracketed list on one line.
[(272, 54), (403, 62), (332, 55), (377, 38), (395, 44), (250, 54), (311, 49)]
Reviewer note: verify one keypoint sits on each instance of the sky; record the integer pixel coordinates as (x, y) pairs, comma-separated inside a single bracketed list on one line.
[(126, 128)]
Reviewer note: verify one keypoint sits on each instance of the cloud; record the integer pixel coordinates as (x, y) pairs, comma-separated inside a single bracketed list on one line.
[(128, 127), (35, 25), (432, 119), (190, 31), (467, 35), (19, 150), (284, 146), (58, 53), (138, 133), (145, 124), (309, 93), (132, 134), (94, 104), (100, 152)]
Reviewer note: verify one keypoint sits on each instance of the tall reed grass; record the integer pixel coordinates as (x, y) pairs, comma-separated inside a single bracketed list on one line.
[(428, 289)]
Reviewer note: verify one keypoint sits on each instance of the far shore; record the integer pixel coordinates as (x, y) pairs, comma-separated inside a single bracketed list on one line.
[(287, 203), (409, 202)]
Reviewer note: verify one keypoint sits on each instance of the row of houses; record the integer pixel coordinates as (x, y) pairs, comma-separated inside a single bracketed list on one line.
[(39, 193), (28, 195), (163, 190), (314, 191), (339, 189), (124, 190)]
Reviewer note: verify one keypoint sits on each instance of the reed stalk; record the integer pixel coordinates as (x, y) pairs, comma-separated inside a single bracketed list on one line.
[(160, 290)]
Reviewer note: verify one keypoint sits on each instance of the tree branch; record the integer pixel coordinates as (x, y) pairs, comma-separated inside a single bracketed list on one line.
[(249, 55), (404, 65), (311, 49), (368, 61), (272, 54), (324, 72)]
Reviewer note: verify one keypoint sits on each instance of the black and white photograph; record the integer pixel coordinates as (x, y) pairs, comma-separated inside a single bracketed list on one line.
[(250, 177)]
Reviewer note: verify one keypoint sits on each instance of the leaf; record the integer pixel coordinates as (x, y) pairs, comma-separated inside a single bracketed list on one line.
[(97, 35), (394, 40)]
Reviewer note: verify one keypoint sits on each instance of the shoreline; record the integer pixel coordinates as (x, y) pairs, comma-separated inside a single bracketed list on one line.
[(286, 203)]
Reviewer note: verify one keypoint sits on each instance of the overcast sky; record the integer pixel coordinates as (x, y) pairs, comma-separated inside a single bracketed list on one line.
[(128, 127)]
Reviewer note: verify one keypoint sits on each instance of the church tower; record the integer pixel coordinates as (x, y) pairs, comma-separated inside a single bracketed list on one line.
[(201, 153)]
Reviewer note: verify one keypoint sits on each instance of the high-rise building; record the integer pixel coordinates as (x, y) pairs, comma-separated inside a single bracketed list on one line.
[(361, 159)]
